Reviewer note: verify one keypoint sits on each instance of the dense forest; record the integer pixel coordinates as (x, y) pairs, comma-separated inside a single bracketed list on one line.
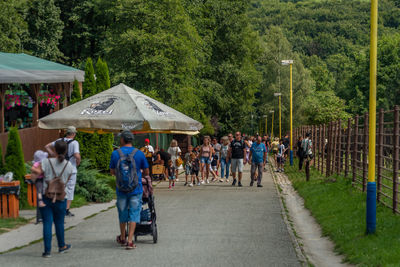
[(219, 60)]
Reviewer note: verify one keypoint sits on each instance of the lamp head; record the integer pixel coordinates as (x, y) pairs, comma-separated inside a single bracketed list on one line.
[(286, 62)]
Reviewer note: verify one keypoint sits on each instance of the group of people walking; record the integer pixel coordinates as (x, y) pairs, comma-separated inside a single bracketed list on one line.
[(215, 160), (55, 173)]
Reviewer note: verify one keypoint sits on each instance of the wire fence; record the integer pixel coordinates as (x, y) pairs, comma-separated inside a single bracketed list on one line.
[(341, 147)]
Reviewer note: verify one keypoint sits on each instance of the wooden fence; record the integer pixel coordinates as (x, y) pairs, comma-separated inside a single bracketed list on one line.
[(32, 139), (341, 147)]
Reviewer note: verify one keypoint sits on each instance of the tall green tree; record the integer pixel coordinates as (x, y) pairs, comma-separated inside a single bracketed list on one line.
[(15, 163), (14, 158), (102, 76), (227, 72), (76, 93), (154, 48), (2, 167), (89, 87), (44, 29), (13, 28), (85, 27)]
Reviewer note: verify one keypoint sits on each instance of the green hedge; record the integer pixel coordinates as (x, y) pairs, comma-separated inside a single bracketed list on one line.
[(15, 163), (97, 148), (93, 185)]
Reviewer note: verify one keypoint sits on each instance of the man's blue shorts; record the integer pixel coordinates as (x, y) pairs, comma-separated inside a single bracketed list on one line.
[(129, 207)]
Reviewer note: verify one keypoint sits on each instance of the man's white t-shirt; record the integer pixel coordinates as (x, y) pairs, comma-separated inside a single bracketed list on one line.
[(150, 148), (73, 148)]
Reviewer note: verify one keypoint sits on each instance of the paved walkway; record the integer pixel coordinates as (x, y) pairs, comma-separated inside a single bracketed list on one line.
[(212, 225)]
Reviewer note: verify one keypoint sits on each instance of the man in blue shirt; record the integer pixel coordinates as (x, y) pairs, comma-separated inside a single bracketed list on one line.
[(258, 156), (129, 204)]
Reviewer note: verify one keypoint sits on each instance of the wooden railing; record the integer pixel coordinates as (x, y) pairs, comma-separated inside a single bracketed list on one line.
[(341, 147)]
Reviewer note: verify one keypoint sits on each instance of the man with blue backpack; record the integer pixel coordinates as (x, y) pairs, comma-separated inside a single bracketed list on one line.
[(128, 164)]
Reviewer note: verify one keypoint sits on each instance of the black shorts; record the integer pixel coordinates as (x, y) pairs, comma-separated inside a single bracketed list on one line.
[(281, 159), (195, 172)]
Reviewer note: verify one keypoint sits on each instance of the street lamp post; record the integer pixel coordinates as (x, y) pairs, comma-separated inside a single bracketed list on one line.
[(272, 127), (252, 129), (266, 125), (290, 63), (280, 114), (371, 187)]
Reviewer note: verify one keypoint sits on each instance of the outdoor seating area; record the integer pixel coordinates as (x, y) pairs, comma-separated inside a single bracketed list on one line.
[(32, 88)]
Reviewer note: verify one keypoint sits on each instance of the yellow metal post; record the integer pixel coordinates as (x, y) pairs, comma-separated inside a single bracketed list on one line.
[(291, 115), (371, 187), (280, 118), (266, 124), (272, 127)]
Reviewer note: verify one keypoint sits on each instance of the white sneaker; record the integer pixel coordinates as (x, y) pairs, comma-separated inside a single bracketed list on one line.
[(208, 181), (227, 180), (191, 185), (177, 180), (202, 181), (198, 183)]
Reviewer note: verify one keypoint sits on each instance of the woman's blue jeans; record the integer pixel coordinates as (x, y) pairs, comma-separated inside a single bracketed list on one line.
[(225, 168), (53, 212)]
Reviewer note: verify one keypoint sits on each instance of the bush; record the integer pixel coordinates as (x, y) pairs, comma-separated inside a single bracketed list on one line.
[(90, 186), (97, 148), (89, 85), (76, 93), (2, 168), (14, 158), (102, 76), (14, 162)]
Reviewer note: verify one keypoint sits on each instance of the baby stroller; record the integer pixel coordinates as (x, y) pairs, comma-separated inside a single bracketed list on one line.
[(158, 172), (148, 224)]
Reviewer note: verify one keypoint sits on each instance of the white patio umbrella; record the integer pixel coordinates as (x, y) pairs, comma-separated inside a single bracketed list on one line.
[(121, 108)]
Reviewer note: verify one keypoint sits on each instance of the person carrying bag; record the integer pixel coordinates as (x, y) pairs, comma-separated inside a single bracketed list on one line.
[(57, 171)]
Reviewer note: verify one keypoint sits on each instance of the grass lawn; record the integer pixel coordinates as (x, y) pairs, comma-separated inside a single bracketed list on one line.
[(6, 224), (78, 201), (341, 211)]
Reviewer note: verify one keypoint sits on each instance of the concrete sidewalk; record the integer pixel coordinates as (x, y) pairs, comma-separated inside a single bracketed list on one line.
[(31, 232), (209, 225), (318, 250)]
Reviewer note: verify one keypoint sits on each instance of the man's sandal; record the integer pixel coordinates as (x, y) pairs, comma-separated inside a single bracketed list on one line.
[(130, 245), (120, 241)]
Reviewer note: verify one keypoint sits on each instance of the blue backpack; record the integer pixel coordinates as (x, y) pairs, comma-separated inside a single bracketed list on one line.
[(127, 178)]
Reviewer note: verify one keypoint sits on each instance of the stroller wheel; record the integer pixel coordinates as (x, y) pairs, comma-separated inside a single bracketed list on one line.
[(155, 234)]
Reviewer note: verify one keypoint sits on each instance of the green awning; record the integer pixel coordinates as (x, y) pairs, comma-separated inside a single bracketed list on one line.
[(23, 68)]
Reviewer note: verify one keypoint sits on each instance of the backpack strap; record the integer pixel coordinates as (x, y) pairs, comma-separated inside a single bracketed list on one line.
[(52, 168), (68, 142), (62, 172), (120, 153), (133, 153)]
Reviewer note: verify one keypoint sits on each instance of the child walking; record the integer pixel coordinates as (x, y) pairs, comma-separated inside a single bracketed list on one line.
[(188, 165), (214, 164), (171, 174), (195, 168), (37, 160)]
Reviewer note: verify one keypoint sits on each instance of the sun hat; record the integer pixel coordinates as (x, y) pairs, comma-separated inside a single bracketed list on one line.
[(39, 156), (71, 129)]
